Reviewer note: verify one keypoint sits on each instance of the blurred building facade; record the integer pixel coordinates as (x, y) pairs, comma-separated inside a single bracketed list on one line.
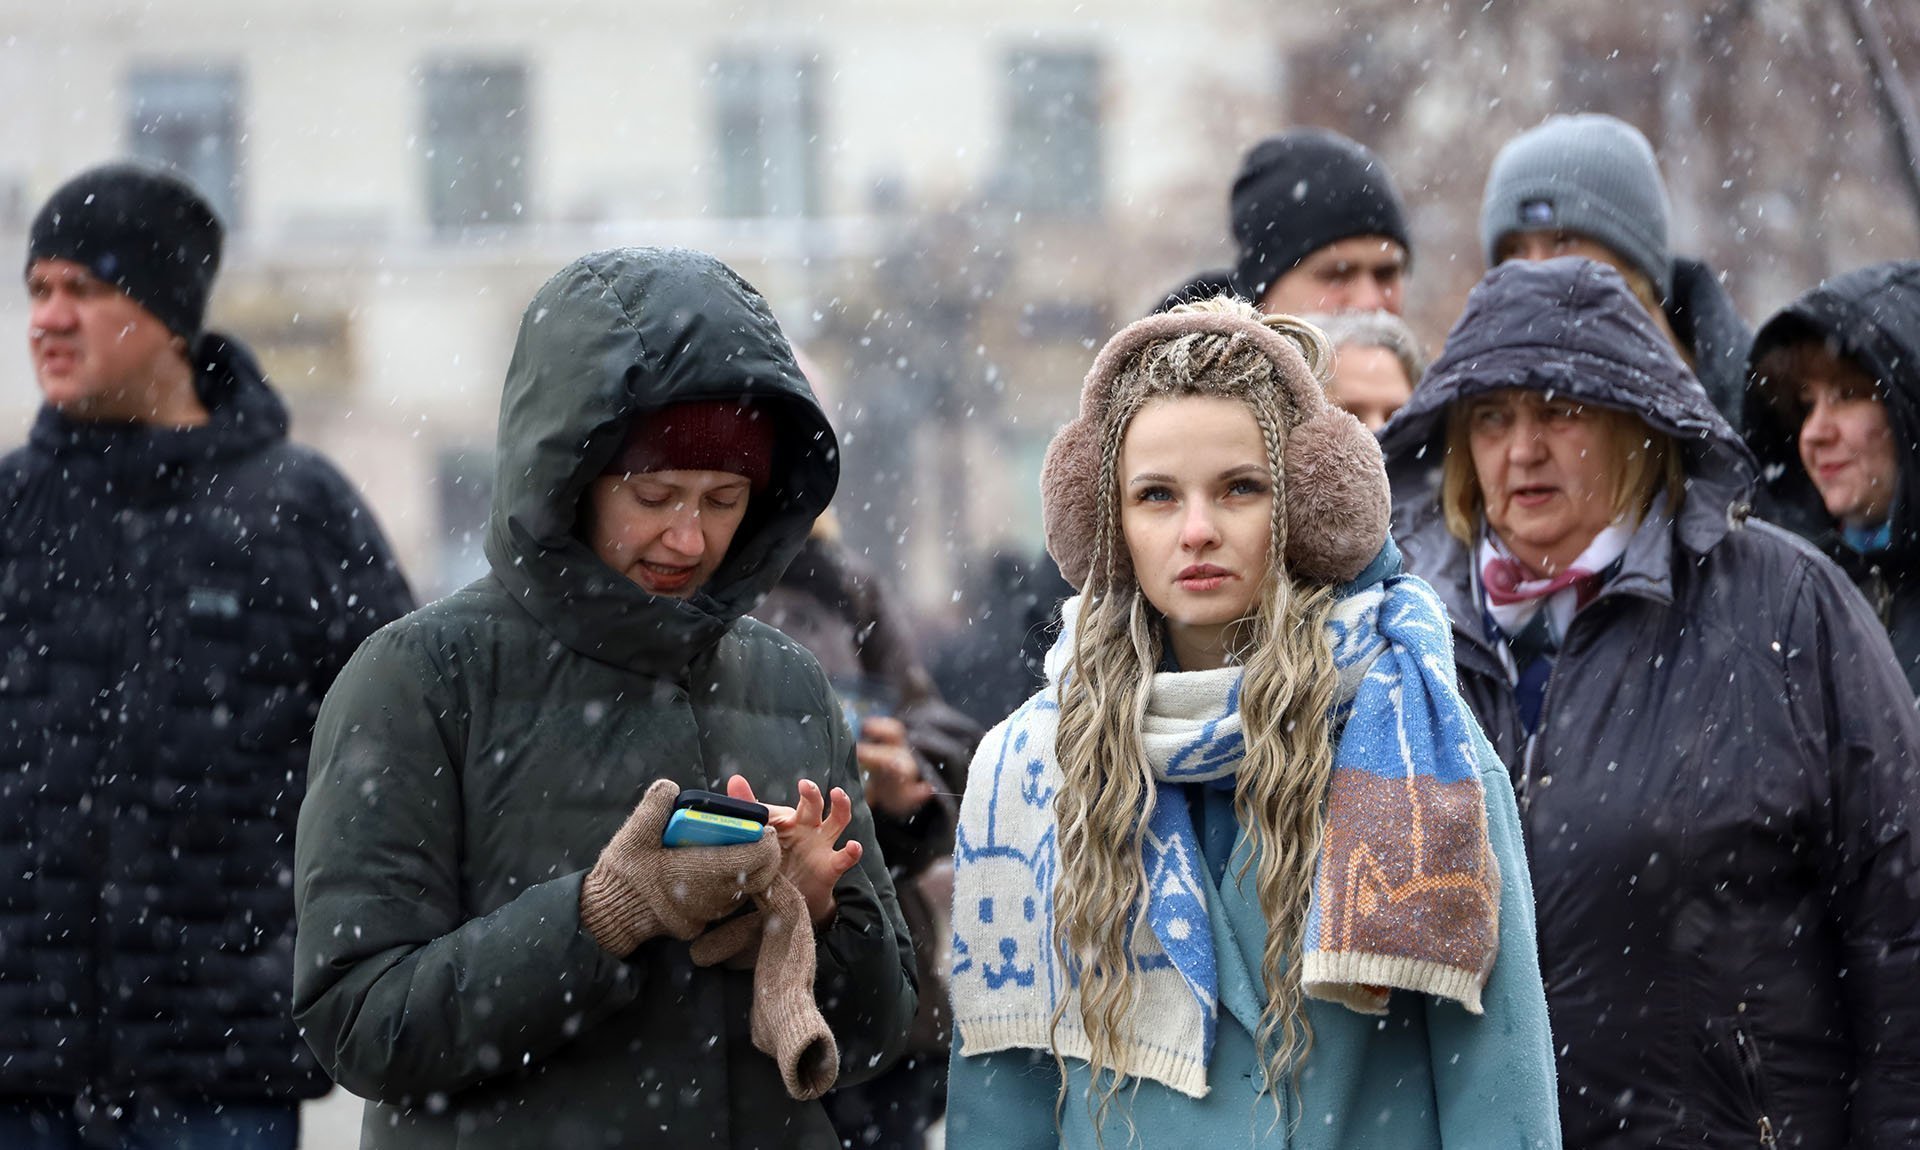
[(400, 175), (950, 204)]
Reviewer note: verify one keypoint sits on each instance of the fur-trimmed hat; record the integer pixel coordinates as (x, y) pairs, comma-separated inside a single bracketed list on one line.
[(1333, 480)]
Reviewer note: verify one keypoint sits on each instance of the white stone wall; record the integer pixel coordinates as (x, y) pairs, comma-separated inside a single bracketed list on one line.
[(332, 197)]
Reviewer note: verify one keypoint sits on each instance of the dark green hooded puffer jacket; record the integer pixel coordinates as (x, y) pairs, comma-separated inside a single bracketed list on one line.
[(475, 756)]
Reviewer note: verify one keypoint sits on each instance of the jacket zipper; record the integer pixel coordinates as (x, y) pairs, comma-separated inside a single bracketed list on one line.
[(1532, 743), (1749, 1058), (1882, 596)]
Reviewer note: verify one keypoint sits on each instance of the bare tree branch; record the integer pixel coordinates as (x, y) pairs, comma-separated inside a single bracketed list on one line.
[(1892, 99)]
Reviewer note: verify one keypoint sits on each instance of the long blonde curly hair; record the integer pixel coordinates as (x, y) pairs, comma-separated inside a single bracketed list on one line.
[(1288, 689)]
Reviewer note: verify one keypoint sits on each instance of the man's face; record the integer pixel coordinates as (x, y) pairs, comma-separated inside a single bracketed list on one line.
[(1846, 441), (96, 353), (1552, 243), (1362, 273)]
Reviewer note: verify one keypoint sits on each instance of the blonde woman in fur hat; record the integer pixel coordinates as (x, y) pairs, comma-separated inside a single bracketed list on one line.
[(1244, 871)]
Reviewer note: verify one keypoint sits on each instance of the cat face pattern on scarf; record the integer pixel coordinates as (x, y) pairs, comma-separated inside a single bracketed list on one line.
[(1022, 879)]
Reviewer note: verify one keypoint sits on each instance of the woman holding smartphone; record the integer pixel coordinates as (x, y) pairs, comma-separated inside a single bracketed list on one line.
[(1245, 872), (495, 946)]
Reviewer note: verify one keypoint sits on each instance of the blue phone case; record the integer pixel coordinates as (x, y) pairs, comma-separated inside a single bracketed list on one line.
[(691, 828)]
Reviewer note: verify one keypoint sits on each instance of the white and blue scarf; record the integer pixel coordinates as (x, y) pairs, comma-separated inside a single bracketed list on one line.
[(1406, 892)]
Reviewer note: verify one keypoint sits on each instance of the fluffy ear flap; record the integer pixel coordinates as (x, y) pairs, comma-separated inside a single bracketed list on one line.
[(1070, 499), (1338, 508)]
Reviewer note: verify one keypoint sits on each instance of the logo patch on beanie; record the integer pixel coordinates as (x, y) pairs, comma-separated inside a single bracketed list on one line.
[(1536, 213)]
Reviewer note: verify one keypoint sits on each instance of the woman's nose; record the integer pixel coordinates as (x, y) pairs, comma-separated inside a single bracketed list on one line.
[(683, 534), (1819, 422), (1199, 529)]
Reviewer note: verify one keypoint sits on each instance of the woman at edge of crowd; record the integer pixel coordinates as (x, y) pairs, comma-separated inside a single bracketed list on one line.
[(1833, 413), (1188, 908), (1709, 735), (496, 947)]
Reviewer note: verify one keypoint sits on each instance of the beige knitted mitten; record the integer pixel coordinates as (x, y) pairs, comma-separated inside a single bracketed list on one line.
[(640, 889), (786, 1022)]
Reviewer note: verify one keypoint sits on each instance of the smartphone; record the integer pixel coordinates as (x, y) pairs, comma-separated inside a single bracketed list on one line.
[(704, 819)]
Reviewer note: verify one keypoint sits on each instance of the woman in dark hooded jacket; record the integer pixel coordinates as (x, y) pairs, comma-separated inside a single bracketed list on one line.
[(1709, 735), (463, 960), (1834, 417)]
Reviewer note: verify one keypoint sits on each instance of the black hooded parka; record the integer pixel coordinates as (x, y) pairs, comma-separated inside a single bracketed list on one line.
[(474, 758), (1720, 797)]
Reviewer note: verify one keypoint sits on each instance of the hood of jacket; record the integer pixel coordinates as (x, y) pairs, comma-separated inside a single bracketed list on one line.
[(611, 338), (1871, 316), (1572, 327), (244, 415), (1706, 322)]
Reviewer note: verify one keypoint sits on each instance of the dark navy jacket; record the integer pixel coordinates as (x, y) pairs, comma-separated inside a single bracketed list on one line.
[(1720, 800), (173, 605)]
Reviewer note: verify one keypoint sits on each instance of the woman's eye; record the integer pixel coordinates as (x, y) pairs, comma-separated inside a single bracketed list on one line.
[(1152, 495), (1247, 487), (1487, 419)]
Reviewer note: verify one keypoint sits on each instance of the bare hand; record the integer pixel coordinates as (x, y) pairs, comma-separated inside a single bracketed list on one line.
[(807, 834), (892, 772)]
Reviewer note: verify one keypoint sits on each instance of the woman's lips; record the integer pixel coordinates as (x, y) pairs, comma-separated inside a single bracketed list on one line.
[(1533, 496), (659, 578), (1202, 577)]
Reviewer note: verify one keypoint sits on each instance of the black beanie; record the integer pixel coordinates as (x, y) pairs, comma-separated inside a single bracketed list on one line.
[(1301, 191), (140, 229)]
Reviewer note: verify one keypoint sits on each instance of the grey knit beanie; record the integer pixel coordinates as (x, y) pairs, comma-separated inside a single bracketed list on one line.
[(1593, 175)]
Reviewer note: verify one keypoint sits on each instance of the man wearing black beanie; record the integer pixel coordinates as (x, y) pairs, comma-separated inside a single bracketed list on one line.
[(179, 585), (1319, 225)]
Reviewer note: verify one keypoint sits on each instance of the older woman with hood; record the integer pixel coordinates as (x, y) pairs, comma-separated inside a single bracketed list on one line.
[(1710, 738), (495, 946), (1834, 415)]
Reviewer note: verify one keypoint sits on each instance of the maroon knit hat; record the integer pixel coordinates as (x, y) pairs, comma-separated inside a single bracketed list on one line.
[(704, 435)]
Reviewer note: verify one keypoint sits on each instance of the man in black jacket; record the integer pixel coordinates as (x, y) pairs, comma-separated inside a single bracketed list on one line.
[(178, 587)]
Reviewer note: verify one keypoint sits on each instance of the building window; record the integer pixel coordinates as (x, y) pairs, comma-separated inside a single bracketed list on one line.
[(188, 119), (476, 144), (767, 127), (1052, 163)]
